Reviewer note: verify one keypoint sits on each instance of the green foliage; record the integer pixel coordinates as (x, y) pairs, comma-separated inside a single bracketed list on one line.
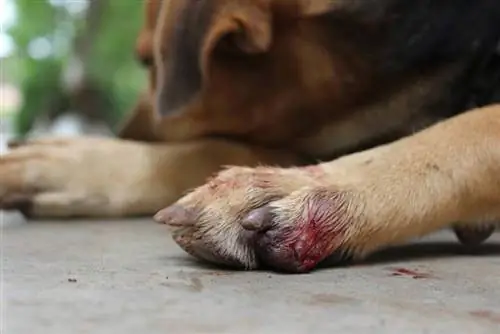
[(34, 19), (111, 64), (113, 61), (40, 89)]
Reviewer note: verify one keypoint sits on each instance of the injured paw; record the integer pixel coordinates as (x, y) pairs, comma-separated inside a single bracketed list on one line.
[(301, 230), (284, 219)]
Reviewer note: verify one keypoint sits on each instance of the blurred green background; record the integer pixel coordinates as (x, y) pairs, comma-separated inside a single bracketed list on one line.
[(69, 54)]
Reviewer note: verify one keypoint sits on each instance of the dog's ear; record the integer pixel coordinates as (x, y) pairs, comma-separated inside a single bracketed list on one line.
[(241, 26), (246, 26)]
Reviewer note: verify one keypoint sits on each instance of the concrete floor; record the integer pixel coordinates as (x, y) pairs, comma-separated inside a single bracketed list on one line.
[(129, 277)]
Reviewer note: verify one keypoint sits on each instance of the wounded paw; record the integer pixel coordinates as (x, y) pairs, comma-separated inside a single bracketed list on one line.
[(301, 230), (284, 219)]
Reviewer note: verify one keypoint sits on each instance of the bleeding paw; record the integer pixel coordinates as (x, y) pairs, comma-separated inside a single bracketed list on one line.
[(301, 230), (263, 217)]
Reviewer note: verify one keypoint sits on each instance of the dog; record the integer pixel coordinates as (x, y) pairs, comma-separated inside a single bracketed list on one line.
[(350, 126)]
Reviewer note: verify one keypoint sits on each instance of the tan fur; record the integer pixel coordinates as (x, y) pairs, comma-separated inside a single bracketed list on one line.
[(107, 177), (441, 176)]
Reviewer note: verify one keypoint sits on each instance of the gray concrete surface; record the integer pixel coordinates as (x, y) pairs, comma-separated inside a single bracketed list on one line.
[(129, 277)]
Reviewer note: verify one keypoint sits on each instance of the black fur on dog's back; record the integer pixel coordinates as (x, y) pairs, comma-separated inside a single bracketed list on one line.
[(403, 36)]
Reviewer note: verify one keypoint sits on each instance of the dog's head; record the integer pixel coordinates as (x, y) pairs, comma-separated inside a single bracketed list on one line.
[(255, 69)]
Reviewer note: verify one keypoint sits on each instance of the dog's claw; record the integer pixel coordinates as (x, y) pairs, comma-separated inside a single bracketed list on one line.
[(175, 215)]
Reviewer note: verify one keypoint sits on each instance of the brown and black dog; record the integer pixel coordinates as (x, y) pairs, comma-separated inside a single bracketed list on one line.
[(396, 97)]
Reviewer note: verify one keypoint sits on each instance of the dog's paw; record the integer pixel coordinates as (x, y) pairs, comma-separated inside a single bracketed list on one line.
[(285, 219), (70, 177)]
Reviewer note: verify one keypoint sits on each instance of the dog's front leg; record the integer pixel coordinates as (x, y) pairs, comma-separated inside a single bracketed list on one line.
[(102, 177), (292, 219)]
